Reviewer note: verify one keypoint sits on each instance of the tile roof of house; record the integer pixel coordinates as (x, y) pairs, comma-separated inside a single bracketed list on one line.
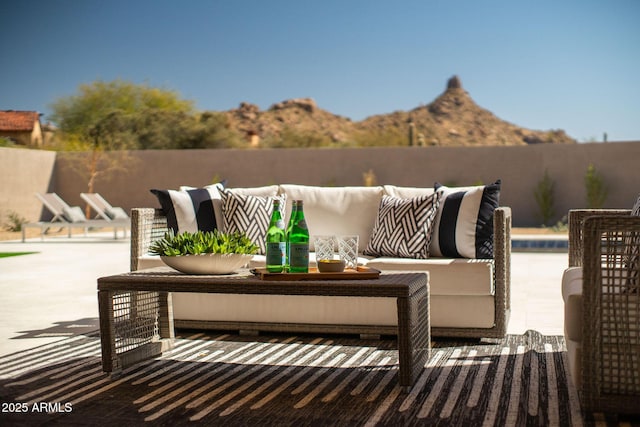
[(11, 120)]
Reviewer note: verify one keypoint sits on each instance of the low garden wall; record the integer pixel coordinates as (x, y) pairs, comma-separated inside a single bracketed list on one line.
[(520, 168)]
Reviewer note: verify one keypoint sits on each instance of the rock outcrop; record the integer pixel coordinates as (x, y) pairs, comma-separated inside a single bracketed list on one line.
[(452, 119)]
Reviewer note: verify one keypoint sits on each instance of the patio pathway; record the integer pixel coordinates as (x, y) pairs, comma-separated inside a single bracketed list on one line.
[(52, 294)]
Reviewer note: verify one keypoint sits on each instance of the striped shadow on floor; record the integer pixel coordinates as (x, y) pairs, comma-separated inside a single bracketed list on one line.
[(291, 381)]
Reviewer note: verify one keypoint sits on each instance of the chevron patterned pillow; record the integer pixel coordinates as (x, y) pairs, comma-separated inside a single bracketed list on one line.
[(248, 214), (403, 227)]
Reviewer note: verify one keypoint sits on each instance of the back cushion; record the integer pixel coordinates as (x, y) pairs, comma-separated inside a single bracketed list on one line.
[(336, 210), (407, 192)]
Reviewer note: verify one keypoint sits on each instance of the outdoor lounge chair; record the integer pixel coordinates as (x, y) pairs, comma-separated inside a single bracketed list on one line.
[(601, 291), (103, 208), (70, 217)]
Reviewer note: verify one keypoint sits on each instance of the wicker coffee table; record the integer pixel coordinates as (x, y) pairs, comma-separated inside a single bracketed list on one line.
[(136, 316)]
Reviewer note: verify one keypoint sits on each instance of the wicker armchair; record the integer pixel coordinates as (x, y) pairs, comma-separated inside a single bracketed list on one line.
[(604, 349)]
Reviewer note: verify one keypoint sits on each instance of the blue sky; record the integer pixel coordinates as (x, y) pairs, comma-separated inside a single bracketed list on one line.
[(545, 64)]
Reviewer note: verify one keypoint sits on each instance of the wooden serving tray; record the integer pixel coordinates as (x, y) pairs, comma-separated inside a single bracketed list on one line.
[(313, 274)]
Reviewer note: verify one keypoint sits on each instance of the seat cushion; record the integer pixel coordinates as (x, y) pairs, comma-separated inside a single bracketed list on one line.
[(337, 210), (574, 356), (73, 214), (447, 276), (572, 297)]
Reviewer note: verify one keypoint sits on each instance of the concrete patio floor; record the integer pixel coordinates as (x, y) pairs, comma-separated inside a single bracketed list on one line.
[(52, 293)]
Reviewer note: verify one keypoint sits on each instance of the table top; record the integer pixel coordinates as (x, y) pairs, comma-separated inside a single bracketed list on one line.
[(165, 279)]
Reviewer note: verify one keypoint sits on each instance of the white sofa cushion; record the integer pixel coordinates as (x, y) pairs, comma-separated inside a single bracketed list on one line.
[(337, 210), (445, 310), (286, 309), (572, 297), (447, 276), (462, 311), (407, 192)]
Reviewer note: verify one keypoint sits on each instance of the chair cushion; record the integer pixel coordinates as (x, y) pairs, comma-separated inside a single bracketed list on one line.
[(73, 214), (337, 210), (572, 297), (464, 221), (403, 227), (248, 214), (447, 276), (116, 213)]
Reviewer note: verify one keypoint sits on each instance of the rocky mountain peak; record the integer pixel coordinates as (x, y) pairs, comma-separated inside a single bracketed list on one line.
[(452, 119), (454, 83)]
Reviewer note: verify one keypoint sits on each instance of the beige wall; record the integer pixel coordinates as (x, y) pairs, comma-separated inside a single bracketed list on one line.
[(520, 169), (24, 172)]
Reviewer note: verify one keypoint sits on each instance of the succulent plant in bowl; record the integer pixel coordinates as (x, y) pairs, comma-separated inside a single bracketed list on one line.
[(204, 252)]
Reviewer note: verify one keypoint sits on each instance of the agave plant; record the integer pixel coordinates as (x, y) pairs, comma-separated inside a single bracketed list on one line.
[(202, 242)]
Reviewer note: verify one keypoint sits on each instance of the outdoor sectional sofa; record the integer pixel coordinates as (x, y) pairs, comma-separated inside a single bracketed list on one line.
[(469, 292)]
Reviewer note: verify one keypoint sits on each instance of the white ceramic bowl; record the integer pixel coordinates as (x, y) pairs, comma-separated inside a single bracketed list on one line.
[(207, 263)]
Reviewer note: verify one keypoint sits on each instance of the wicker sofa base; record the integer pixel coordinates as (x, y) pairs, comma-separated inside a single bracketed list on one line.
[(362, 330)]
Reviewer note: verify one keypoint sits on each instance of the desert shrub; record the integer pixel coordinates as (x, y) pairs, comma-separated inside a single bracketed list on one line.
[(293, 138), (6, 142), (369, 178), (14, 221), (380, 138), (596, 188), (544, 194)]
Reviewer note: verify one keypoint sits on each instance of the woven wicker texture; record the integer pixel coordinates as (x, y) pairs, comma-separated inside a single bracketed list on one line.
[(135, 309), (148, 225), (604, 246)]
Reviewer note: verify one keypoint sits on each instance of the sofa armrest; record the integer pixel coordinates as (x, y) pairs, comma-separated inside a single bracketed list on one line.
[(502, 259), (576, 222), (610, 315), (147, 225)]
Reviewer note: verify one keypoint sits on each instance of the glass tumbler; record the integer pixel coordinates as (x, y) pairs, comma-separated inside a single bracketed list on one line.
[(325, 247), (348, 250)]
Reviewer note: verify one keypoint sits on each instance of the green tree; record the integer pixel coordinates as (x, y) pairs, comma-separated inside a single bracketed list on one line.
[(95, 124), (76, 114)]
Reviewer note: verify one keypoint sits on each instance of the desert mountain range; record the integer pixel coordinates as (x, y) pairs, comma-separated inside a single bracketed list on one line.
[(452, 119)]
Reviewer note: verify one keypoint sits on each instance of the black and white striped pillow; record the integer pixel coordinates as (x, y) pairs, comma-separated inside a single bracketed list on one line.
[(403, 227), (190, 209), (464, 221), (249, 214)]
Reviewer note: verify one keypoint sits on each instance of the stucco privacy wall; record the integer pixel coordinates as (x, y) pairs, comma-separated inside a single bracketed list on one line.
[(24, 172), (520, 168)]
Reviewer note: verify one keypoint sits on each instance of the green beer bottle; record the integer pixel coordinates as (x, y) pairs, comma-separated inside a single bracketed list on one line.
[(276, 241), (298, 240)]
